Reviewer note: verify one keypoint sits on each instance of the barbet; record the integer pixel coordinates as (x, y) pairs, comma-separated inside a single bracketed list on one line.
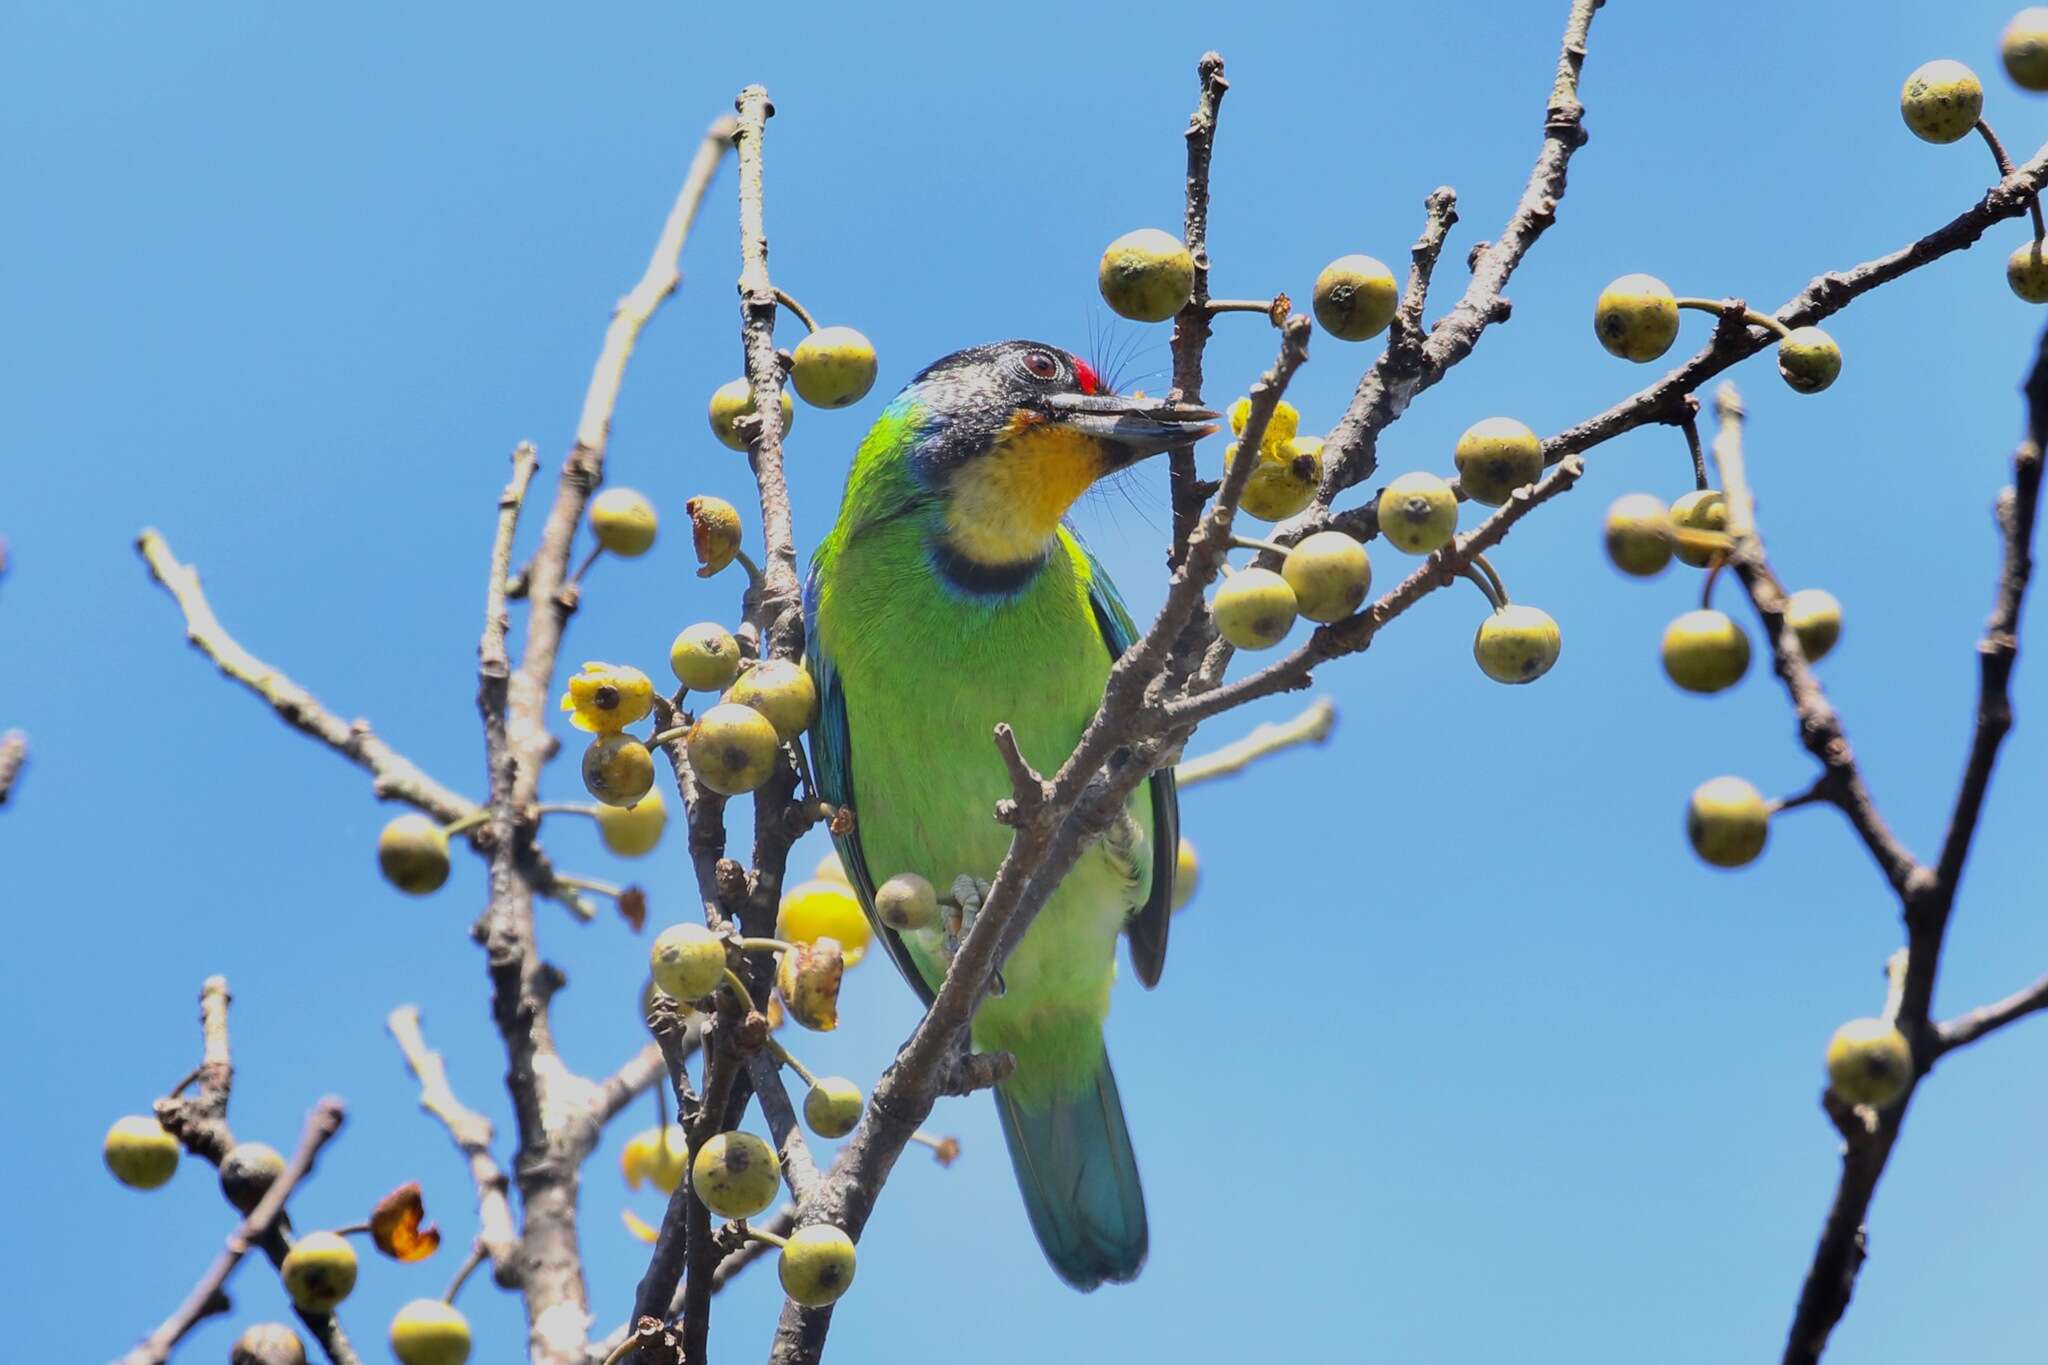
[(950, 597)]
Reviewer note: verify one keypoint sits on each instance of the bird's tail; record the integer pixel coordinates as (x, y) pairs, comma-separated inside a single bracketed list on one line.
[(1079, 1178)]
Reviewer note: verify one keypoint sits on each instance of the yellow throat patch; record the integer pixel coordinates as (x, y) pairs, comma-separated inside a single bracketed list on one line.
[(1007, 504)]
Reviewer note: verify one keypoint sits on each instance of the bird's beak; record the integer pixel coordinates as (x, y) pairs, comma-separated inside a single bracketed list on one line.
[(1133, 428)]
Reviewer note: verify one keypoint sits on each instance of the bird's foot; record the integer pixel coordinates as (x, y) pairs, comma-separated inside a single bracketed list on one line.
[(968, 1071), (960, 909)]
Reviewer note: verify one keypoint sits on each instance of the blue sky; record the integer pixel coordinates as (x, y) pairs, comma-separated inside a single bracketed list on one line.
[(290, 283)]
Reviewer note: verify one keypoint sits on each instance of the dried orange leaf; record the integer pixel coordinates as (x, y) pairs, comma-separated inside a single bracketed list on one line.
[(399, 1228), (633, 906)]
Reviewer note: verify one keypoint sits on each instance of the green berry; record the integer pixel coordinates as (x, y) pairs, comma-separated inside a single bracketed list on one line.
[(2026, 271), (412, 853), (1942, 101), (1355, 298), (2024, 48), (617, 769), (1147, 275), (267, 1343), (634, 831), (1703, 510), (688, 961), (1418, 513), (1254, 609), (705, 657), (906, 903), (140, 1153), (1497, 456), (736, 1175), (833, 367), (1727, 822), (1816, 618), (430, 1332), (832, 1106), (1636, 318), (248, 1171), (623, 521), (1330, 574), (319, 1271), (1517, 644), (735, 399), (733, 748), (780, 690), (1639, 534), (1809, 360), (1704, 651), (1869, 1062), (817, 1265), (1283, 482)]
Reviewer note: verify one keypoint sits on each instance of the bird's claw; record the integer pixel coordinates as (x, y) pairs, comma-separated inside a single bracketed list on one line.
[(961, 908)]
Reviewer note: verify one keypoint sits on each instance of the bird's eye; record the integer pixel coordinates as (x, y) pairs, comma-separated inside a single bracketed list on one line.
[(1041, 365)]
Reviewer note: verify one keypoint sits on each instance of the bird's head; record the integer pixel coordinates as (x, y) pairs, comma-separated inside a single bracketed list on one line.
[(1002, 439)]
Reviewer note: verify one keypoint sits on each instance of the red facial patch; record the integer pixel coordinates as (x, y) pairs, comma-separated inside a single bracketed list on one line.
[(1084, 375)]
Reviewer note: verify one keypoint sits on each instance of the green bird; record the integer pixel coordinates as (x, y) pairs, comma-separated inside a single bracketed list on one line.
[(950, 597)]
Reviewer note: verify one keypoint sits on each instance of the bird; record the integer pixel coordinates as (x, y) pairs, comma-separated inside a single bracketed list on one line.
[(951, 596)]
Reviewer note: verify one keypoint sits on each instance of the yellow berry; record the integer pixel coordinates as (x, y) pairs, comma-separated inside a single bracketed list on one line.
[(412, 853), (821, 909), (140, 1153), (688, 961), (780, 690), (715, 532), (617, 769), (1809, 360), (1704, 651), (1941, 101), (833, 367), (830, 869), (1283, 482), (623, 521), (248, 1171), (605, 698), (807, 981), (1816, 618), (319, 1271), (2024, 48), (733, 748), (735, 399), (1636, 318), (1497, 456), (817, 1265), (1639, 534), (1355, 298), (1254, 609), (633, 831), (430, 1332), (832, 1106), (1330, 574), (1187, 873), (736, 1175), (2027, 272), (267, 1343), (1280, 427), (1418, 513), (1869, 1062), (1147, 275), (906, 903), (1517, 644), (658, 1156), (705, 657), (1703, 510), (1727, 822)]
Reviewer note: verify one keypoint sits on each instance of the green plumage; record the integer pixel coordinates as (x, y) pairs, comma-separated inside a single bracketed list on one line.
[(914, 674)]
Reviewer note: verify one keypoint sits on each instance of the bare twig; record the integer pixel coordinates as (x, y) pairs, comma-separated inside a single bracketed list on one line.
[(209, 1295), (13, 754), (496, 1233), (1191, 326), (1312, 726)]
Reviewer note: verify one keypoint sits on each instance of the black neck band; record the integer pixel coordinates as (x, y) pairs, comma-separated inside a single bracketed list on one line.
[(974, 576)]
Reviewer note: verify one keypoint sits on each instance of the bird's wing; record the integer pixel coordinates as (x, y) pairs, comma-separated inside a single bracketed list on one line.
[(832, 766), (1148, 925)]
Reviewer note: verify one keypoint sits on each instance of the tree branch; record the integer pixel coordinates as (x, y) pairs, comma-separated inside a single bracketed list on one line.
[(1191, 325), (1312, 726), (496, 1233), (13, 755)]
